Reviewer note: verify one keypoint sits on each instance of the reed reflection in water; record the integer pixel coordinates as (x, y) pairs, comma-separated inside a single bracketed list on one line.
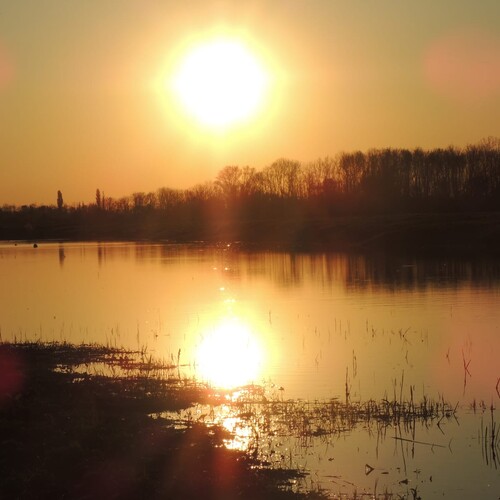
[(320, 320), (341, 328)]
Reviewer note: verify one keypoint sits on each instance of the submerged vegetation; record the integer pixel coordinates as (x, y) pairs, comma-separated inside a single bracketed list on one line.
[(96, 422), (360, 199)]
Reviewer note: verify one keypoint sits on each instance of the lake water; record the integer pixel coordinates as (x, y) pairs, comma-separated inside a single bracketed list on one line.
[(310, 326)]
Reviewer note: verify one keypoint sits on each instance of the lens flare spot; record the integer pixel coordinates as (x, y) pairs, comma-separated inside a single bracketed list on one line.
[(6, 69), (464, 66), (12, 374)]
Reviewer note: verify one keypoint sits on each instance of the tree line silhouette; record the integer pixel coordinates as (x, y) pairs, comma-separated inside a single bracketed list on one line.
[(286, 193)]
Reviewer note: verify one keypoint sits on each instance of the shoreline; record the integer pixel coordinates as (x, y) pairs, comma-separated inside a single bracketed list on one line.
[(463, 233)]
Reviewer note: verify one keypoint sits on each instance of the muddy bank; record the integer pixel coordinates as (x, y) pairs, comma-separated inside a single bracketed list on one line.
[(71, 431)]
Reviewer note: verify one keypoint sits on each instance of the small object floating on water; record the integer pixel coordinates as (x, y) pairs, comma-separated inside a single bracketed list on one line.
[(35, 245), (368, 469)]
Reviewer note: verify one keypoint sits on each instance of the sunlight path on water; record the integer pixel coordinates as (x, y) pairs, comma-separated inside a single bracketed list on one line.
[(309, 328)]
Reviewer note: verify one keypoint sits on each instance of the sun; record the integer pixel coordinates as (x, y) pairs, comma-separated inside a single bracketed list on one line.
[(220, 83)]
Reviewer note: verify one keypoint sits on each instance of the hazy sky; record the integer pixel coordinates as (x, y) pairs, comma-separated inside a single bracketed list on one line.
[(84, 104)]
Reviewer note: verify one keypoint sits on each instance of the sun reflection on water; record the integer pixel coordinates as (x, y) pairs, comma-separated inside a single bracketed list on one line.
[(241, 434), (230, 355)]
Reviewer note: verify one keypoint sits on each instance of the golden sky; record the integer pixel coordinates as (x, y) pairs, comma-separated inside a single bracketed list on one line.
[(86, 101)]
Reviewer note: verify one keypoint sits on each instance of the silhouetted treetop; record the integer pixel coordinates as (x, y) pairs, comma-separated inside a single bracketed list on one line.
[(384, 181), (60, 202)]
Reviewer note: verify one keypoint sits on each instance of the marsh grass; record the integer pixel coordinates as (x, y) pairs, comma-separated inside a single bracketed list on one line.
[(282, 434), (92, 421), (71, 430), (267, 414), (490, 441)]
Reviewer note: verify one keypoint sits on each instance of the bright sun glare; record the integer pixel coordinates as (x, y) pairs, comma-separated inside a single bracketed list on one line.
[(230, 355), (220, 83)]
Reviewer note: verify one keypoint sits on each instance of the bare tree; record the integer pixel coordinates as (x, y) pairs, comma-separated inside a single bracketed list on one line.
[(228, 180), (282, 178), (168, 198), (139, 200)]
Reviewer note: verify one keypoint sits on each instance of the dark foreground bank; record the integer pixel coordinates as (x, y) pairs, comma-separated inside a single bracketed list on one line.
[(83, 423)]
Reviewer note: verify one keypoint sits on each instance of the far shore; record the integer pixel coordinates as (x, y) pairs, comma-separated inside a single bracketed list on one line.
[(454, 233)]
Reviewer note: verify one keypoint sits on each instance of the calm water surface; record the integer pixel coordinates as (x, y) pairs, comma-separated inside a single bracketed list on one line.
[(312, 326)]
